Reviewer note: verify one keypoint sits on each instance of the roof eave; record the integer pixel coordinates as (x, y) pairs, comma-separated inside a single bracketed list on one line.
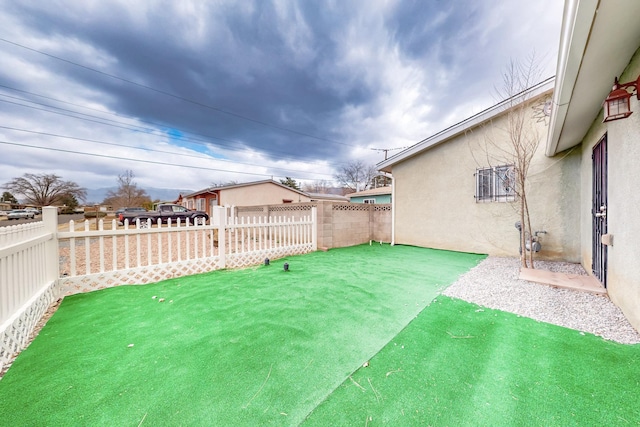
[(463, 126)]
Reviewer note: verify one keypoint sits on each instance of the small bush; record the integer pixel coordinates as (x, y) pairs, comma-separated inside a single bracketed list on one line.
[(89, 215)]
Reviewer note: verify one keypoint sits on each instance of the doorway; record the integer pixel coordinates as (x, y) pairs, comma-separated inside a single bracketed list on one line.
[(599, 210)]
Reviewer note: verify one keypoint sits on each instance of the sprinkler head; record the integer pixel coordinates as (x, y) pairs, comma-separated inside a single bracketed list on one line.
[(286, 266)]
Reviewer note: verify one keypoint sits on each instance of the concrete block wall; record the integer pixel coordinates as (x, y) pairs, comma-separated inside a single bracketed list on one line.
[(340, 224)]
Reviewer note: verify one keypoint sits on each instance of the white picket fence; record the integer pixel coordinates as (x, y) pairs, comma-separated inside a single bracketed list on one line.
[(39, 263)]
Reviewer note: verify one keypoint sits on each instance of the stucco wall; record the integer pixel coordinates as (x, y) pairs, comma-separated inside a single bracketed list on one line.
[(259, 194), (339, 224), (623, 143), (435, 204)]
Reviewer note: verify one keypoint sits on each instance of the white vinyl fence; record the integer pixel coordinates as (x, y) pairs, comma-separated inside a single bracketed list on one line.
[(39, 264), (28, 280)]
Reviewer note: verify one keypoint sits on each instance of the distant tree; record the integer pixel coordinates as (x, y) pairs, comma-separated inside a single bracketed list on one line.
[(290, 182), (224, 184), (320, 187), (128, 194), (44, 189), (356, 176), (380, 181), (8, 197), (69, 203)]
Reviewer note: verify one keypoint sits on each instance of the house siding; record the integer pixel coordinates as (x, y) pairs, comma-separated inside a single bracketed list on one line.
[(380, 198), (435, 204), (623, 144), (259, 194)]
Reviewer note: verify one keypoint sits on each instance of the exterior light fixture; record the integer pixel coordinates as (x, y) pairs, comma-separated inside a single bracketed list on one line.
[(617, 104)]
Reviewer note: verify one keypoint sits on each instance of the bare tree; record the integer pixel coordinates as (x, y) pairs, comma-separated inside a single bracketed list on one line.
[(128, 194), (319, 187), (44, 189), (356, 176), (223, 184), (523, 141)]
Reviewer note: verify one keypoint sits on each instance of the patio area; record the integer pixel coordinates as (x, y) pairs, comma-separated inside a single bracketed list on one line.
[(352, 336)]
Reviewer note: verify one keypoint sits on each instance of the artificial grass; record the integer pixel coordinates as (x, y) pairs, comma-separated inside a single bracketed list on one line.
[(257, 346), (458, 364)]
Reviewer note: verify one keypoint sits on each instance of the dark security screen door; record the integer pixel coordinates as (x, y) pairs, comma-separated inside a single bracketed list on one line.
[(599, 210)]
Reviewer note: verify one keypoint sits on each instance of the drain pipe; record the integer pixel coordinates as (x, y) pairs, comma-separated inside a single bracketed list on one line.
[(393, 211)]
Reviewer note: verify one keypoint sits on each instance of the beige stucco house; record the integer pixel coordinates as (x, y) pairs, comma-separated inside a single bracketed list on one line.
[(454, 190), (600, 41), (266, 192), (583, 178)]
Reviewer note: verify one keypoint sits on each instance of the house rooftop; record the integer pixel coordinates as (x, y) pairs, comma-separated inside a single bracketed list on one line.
[(244, 184), (371, 192), (466, 124), (596, 41)]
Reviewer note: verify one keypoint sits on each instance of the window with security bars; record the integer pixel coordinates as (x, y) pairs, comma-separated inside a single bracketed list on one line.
[(495, 184)]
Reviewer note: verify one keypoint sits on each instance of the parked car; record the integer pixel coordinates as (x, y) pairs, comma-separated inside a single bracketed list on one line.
[(20, 214), (164, 213), (35, 211), (128, 210)]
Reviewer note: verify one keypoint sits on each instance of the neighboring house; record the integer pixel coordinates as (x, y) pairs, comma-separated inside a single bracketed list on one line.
[(454, 189), (267, 192), (316, 197), (373, 195), (600, 41), (583, 179)]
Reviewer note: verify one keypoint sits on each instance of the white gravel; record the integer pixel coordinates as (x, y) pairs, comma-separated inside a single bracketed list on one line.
[(494, 284)]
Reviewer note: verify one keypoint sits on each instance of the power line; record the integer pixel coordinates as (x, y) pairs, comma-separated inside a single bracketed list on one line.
[(386, 150), (136, 160), (128, 126), (172, 95), (152, 150)]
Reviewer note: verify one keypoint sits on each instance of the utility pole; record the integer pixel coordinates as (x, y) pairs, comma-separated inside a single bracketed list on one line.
[(386, 150)]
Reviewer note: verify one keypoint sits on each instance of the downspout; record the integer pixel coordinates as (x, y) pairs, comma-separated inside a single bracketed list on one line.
[(393, 211), (393, 206)]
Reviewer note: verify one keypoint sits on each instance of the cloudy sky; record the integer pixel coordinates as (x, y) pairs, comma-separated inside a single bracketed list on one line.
[(190, 93)]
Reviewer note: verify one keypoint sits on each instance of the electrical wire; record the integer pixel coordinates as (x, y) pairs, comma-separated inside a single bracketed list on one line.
[(172, 95), (139, 160), (127, 126), (153, 150)]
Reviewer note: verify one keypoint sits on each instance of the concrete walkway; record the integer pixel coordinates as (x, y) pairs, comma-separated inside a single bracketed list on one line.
[(578, 282)]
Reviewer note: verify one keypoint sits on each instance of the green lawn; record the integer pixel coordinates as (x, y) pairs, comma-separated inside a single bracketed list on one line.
[(261, 346), (245, 347)]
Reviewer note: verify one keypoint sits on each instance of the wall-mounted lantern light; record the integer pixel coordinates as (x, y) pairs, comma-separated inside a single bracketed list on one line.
[(617, 105)]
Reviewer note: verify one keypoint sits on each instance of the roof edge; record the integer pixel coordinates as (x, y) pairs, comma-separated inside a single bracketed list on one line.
[(468, 123), (577, 21)]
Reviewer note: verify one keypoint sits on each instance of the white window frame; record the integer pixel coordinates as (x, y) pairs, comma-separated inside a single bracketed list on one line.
[(495, 184)]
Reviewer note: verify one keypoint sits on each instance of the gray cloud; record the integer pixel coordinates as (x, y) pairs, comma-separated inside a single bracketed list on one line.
[(304, 86)]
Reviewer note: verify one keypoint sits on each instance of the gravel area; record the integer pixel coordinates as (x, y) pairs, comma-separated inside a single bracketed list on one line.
[(494, 284)]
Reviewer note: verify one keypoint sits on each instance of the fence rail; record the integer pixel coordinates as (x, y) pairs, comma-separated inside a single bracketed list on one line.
[(28, 280), (38, 263)]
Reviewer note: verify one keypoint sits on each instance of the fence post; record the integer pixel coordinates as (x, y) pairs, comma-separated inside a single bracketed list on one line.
[(220, 221), (52, 263), (314, 228)]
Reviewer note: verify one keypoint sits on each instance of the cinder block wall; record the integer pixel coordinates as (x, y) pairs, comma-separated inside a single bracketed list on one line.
[(340, 224)]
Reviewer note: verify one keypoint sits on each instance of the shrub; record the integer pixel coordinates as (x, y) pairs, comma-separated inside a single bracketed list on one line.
[(89, 215)]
